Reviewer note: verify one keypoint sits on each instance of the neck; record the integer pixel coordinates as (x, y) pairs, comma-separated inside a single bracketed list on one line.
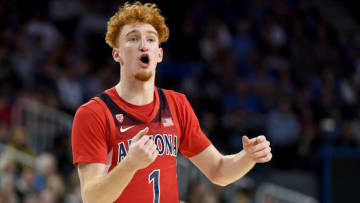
[(137, 93)]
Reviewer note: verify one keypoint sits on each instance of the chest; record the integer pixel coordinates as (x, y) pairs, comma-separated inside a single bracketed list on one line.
[(165, 133)]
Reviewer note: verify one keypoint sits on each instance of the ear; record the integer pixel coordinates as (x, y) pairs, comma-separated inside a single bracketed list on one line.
[(160, 55), (116, 55)]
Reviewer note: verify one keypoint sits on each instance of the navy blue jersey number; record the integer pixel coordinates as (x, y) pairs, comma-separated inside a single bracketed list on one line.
[(155, 176)]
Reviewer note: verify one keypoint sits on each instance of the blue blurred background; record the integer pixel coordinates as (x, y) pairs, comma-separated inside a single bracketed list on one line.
[(288, 69)]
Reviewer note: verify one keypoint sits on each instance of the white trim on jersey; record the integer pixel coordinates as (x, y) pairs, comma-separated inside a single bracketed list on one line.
[(109, 161)]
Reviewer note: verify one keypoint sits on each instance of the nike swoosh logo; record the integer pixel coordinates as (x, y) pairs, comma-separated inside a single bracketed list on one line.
[(122, 130)]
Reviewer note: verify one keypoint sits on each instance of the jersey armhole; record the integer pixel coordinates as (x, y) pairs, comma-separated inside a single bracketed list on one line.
[(174, 102), (105, 111)]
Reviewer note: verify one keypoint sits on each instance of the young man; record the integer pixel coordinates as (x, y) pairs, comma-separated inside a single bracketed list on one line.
[(125, 141)]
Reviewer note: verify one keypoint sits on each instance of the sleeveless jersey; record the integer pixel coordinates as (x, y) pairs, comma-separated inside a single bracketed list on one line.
[(158, 182)]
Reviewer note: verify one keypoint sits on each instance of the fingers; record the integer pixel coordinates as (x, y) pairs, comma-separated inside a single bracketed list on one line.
[(248, 142), (261, 153), (146, 149), (142, 140), (150, 145), (142, 150), (153, 152), (260, 146), (140, 134), (264, 159), (260, 139), (245, 140)]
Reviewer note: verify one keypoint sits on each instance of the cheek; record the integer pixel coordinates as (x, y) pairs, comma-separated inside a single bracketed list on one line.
[(156, 56), (128, 54)]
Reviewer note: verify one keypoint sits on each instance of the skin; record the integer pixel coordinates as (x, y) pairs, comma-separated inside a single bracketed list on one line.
[(136, 86), (136, 40)]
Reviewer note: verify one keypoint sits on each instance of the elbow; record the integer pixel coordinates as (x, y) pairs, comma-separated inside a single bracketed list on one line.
[(217, 177), (218, 180), (91, 197), (87, 197), (222, 184)]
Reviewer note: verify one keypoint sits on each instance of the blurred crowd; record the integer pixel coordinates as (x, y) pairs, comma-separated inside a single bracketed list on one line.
[(278, 68)]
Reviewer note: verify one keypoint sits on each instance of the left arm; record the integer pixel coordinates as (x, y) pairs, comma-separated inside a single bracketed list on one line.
[(223, 170)]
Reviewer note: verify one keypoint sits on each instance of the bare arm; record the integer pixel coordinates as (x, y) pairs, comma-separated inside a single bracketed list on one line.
[(223, 170), (98, 187)]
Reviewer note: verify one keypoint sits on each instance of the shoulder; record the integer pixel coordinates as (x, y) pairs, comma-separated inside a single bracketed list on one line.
[(178, 103), (89, 118), (93, 108), (174, 96)]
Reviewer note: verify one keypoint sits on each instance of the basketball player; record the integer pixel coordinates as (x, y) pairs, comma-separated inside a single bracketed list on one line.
[(125, 140)]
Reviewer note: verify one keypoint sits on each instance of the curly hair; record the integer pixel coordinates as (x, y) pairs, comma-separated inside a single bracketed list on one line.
[(134, 13)]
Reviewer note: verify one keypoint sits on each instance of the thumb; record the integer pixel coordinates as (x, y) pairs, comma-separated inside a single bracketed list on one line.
[(140, 134), (246, 141)]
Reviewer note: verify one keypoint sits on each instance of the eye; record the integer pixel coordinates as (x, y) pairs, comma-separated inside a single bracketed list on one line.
[(133, 39), (151, 38)]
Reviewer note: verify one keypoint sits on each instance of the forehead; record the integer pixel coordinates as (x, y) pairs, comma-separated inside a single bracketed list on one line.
[(137, 27)]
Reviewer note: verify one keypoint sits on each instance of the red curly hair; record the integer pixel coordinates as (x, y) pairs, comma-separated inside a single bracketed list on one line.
[(134, 13)]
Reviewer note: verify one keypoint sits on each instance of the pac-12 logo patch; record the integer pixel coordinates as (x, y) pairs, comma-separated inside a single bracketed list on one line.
[(120, 117)]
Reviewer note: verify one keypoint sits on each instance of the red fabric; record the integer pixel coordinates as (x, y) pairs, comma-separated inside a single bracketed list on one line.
[(95, 138), (143, 111)]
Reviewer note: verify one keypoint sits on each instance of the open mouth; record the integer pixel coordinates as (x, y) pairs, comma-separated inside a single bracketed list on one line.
[(144, 59)]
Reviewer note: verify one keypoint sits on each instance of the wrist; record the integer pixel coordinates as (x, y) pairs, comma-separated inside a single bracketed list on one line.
[(247, 156), (129, 165)]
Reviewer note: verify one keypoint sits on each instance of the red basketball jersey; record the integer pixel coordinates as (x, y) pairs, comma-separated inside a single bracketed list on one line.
[(103, 129)]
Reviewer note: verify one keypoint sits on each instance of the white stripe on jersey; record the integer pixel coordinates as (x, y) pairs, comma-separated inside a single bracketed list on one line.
[(108, 162)]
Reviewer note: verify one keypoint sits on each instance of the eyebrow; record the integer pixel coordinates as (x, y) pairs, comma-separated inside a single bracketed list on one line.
[(136, 31)]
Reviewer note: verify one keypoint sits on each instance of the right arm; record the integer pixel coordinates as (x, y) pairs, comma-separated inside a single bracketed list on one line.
[(98, 187)]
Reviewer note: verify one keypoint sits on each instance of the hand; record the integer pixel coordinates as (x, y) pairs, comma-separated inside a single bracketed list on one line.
[(142, 151), (258, 148)]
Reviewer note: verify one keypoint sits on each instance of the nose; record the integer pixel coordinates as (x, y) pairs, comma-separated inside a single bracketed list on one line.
[(143, 45)]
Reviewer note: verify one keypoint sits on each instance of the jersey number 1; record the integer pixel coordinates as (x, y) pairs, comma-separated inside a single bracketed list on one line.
[(155, 176)]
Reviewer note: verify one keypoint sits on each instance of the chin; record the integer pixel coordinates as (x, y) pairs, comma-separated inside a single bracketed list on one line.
[(144, 76)]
